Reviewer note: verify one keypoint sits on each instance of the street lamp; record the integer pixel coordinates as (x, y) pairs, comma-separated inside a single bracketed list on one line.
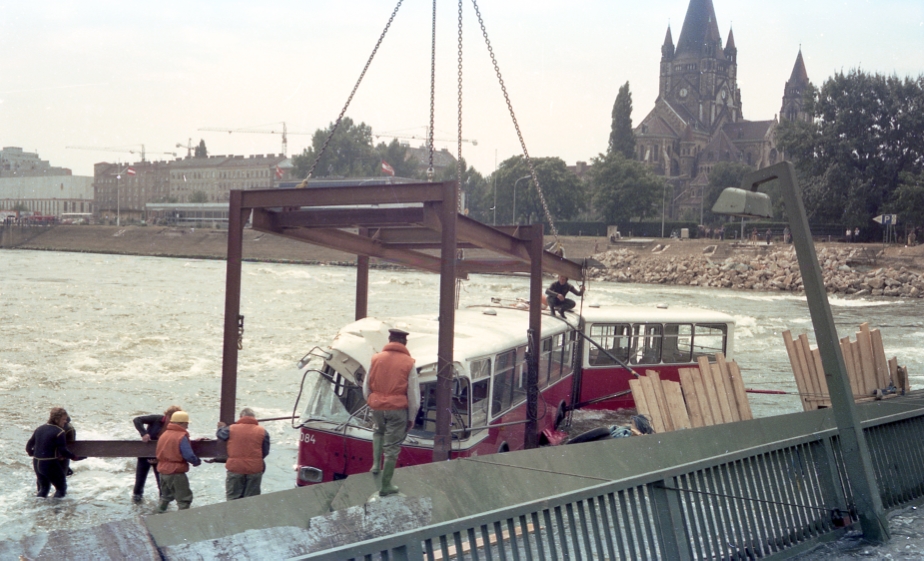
[(747, 202), (515, 196)]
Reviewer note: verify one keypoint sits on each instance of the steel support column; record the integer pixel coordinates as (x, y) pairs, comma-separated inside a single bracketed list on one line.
[(236, 217), (442, 441), (853, 442), (362, 282), (531, 438)]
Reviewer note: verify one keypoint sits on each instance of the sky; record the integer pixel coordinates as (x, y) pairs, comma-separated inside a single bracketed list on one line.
[(116, 75)]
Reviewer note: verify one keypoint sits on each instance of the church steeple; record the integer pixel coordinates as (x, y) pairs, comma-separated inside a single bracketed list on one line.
[(667, 49), (731, 51), (699, 36), (793, 104)]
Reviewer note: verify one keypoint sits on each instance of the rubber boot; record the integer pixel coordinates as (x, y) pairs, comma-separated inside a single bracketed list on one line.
[(387, 472), (377, 453), (162, 505)]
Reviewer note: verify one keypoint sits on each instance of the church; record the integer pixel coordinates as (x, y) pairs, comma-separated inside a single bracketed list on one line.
[(697, 120)]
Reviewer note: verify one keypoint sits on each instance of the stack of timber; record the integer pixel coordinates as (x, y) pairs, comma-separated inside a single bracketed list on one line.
[(871, 375), (709, 395)]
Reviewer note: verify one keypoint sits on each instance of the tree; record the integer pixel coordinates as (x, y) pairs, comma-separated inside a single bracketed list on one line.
[(624, 189), (395, 154), (349, 154), (564, 191), (868, 131), (622, 138), (908, 201), (201, 151)]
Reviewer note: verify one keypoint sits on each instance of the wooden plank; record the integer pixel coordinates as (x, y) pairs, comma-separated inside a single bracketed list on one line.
[(879, 358), (676, 405), (797, 370), (705, 370), (691, 397), (863, 391), (848, 363), (730, 393), (822, 378), (743, 404), (808, 363), (893, 373), (638, 395), (662, 399), (721, 393), (704, 407), (867, 366), (657, 419)]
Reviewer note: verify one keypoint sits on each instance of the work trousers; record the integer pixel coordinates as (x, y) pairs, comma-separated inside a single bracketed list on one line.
[(561, 305), (239, 485), (141, 475), (48, 473), (392, 425), (175, 486)]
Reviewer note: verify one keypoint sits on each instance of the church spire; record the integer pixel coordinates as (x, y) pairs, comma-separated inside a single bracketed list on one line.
[(667, 49), (794, 93), (731, 51), (799, 75), (699, 35)]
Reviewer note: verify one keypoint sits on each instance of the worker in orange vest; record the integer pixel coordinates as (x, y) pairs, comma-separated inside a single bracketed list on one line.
[(174, 454), (393, 393), (248, 445)]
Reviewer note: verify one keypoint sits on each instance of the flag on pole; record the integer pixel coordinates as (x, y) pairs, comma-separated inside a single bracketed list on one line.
[(387, 169), (278, 172), (130, 171)]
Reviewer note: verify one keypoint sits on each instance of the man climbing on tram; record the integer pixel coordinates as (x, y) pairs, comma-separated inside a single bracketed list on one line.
[(393, 393), (556, 295)]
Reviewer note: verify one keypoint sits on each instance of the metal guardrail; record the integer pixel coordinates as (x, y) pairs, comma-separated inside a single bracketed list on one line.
[(772, 500)]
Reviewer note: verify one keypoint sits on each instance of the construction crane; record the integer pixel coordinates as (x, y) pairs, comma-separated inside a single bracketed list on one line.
[(257, 129), (424, 139), (189, 147), (119, 149)]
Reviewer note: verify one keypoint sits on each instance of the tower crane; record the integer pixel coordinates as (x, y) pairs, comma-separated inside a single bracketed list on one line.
[(120, 149), (257, 129), (424, 138)]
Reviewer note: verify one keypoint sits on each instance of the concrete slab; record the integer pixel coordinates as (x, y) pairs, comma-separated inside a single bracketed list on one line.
[(125, 539)]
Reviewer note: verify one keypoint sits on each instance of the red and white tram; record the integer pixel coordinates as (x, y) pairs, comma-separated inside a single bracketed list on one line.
[(586, 361)]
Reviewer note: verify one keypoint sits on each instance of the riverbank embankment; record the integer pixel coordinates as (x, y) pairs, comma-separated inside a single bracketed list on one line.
[(858, 269)]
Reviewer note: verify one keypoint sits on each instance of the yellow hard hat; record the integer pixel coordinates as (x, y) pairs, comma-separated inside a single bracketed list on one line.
[(180, 417)]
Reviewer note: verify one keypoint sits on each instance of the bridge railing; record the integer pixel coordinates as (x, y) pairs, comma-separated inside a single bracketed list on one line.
[(775, 499)]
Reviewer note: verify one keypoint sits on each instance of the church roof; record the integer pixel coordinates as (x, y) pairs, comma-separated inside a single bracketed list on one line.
[(699, 29), (668, 38), (657, 126), (748, 130), (730, 44), (798, 71), (721, 149)]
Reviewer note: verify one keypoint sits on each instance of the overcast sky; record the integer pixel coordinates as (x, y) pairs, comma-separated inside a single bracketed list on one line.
[(119, 74)]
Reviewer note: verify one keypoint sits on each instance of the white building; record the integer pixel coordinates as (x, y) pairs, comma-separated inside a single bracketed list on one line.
[(48, 195)]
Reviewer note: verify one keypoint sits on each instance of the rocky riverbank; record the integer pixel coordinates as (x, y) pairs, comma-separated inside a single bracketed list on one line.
[(858, 270)]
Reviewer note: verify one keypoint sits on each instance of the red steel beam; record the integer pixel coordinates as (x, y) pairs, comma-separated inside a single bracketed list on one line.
[(347, 217)]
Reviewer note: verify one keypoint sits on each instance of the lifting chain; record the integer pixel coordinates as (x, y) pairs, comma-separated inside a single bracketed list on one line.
[(240, 332), (459, 118), (529, 162), (430, 171), (336, 124)]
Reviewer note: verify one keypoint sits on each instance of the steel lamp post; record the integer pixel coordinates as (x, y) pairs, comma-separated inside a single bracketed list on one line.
[(747, 202)]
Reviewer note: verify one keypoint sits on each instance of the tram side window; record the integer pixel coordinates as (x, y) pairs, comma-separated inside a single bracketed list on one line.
[(504, 381), (567, 353), (709, 339), (426, 415), (545, 360), (555, 363), (647, 349), (614, 337), (677, 347), (480, 403)]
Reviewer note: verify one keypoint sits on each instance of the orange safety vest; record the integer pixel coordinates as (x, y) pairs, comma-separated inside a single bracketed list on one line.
[(169, 458), (245, 447), (388, 378)]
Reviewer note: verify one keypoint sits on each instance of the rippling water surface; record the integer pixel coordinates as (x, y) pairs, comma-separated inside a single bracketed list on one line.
[(113, 337)]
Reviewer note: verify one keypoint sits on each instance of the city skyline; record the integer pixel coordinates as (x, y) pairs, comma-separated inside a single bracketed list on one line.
[(108, 74)]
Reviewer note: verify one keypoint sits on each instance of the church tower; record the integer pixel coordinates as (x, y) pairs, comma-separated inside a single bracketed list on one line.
[(793, 105), (699, 75)]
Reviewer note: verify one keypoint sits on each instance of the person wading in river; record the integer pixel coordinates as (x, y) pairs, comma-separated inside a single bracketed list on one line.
[(150, 427), (393, 393), (248, 444), (174, 454), (47, 447)]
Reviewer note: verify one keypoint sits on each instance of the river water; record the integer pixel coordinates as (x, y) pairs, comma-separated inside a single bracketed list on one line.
[(112, 337)]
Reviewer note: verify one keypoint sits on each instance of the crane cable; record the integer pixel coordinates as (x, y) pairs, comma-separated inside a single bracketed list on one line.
[(516, 125), (333, 128)]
